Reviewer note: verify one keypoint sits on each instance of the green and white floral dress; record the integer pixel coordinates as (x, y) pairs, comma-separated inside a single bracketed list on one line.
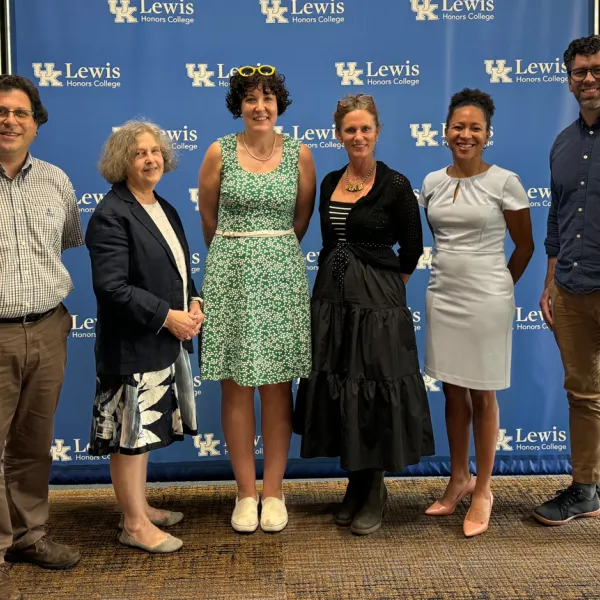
[(256, 293)]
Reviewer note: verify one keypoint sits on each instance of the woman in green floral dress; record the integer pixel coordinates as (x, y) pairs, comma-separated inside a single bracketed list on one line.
[(256, 197)]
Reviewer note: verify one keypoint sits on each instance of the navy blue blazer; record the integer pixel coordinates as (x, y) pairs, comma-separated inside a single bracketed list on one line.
[(136, 282)]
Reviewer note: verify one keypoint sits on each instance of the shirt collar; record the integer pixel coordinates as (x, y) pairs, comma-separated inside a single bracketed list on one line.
[(24, 169), (584, 125)]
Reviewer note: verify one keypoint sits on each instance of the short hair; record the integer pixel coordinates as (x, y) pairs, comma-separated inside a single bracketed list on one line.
[(16, 82), (240, 87), (585, 46), (119, 150), (350, 103), (477, 98)]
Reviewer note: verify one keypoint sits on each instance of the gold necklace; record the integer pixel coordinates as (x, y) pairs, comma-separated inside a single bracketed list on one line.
[(256, 157), (357, 187)]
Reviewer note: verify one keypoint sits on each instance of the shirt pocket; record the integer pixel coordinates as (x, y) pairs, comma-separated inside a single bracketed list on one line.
[(47, 219)]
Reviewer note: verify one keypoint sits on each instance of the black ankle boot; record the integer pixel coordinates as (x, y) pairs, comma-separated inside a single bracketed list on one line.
[(355, 497), (370, 515)]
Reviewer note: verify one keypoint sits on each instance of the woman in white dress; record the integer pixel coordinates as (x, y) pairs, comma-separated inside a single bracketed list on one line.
[(470, 298)]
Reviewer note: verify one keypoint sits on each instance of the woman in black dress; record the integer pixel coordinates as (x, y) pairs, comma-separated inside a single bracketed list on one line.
[(365, 400)]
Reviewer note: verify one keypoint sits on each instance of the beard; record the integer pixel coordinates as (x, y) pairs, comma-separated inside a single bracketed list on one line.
[(589, 103)]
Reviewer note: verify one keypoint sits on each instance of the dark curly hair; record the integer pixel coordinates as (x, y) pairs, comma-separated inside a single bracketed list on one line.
[(16, 82), (240, 87), (477, 98), (585, 45)]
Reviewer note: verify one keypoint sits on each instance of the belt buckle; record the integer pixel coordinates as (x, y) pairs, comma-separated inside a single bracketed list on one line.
[(227, 234)]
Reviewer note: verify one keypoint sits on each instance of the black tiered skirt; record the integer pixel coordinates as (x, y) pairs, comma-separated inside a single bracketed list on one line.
[(365, 400)]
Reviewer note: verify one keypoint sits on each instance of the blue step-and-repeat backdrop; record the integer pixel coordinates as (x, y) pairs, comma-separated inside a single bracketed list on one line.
[(101, 62)]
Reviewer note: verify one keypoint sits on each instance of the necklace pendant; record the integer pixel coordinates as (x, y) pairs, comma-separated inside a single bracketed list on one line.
[(356, 187)]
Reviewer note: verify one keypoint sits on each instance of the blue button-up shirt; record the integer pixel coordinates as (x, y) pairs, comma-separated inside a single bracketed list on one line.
[(574, 218)]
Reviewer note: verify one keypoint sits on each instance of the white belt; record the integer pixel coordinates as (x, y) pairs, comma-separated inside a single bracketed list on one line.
[(261, 233)]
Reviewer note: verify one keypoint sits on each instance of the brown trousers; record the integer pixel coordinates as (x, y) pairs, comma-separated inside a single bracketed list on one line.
[(576, 319), (32, 366)]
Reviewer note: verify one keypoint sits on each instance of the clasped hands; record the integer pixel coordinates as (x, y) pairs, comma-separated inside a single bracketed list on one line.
[(185, 325)]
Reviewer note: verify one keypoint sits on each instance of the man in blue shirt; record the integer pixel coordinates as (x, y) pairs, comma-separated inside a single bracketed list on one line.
[(571, 298)]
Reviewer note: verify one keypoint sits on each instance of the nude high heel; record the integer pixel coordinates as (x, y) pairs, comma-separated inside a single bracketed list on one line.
[(437, 509), (477, 523)]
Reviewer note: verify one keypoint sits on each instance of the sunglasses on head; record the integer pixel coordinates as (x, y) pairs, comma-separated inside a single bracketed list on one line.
[(353, 99), (248, 70)]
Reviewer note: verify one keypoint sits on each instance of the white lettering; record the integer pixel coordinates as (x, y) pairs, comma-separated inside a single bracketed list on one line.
[(87, 324)]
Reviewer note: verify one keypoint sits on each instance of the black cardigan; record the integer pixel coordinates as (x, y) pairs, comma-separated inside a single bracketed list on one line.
[(136, 281), (387, 215)]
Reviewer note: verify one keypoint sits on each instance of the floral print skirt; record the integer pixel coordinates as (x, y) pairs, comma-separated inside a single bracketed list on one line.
[(137, 413)]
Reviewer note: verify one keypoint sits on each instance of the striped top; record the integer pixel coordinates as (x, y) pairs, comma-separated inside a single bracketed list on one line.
[(338, 213)]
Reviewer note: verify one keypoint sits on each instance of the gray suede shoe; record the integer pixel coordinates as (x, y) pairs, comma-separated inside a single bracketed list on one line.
[(171, 544), (171, 518)]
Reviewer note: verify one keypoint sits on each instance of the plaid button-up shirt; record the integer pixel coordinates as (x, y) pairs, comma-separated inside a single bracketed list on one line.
[(38, 220)]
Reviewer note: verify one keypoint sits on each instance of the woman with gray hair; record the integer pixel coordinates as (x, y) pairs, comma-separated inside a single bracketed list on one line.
[(148, 313)]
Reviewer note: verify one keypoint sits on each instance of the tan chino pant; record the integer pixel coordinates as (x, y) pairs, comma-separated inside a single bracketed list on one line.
[(576, 319), (32, 365)]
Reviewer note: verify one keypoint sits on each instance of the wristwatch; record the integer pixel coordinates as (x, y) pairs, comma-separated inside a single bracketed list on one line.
[(199, 300)]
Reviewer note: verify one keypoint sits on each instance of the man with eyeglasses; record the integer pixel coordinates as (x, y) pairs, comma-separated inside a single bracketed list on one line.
[(38, 221), (571, 298)]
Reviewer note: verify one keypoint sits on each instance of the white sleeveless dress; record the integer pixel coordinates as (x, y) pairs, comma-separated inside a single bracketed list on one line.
[(470, 298)]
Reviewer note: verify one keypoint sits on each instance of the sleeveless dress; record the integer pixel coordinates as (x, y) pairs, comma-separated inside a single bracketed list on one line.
[(470, 300), (256, 291)]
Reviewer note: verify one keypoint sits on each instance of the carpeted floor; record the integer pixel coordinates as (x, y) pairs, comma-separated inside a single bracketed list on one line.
[(411, 557)]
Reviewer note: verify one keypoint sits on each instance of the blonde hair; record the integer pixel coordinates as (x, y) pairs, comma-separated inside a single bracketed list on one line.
[(350, 103), (120, 148)]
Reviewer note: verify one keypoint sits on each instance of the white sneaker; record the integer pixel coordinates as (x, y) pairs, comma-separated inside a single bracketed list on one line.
[(245, 515), (274, 516)]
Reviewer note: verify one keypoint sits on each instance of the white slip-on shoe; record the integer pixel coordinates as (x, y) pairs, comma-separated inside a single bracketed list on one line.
[(274, 516), (245, 515)]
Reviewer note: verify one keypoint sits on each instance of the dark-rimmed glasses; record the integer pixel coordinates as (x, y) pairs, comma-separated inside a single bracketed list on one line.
[(581, 74)]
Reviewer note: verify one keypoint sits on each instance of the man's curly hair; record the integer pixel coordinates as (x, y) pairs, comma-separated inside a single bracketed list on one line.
[(240, 87), (585, 46), (16, 82)]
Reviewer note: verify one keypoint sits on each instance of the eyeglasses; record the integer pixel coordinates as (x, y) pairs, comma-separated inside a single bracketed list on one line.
[(581, 74), (248, 71), (354, 99), (20, 113)]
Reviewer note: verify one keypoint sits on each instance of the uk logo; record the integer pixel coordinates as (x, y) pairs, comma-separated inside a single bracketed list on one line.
[(273, 11), (208, 446), (48, 75), (60, 452), (200, 75), (424, 135), (431, 384), (426, 257), (194, 197), (122, 10), (498, 71), (425, 9), (348, 73), (503, 441)]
